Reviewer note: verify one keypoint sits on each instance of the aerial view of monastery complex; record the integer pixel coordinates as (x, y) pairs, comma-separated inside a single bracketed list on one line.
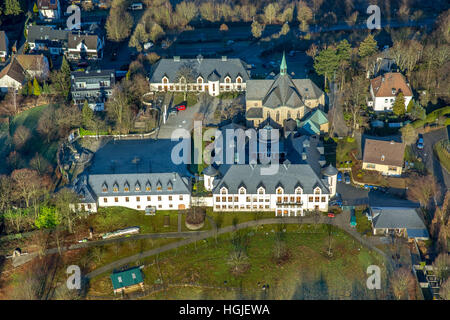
[(224, 150)]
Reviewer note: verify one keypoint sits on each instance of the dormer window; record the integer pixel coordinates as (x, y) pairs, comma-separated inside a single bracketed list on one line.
[(317, 190), (223, 190), (242, 190), (159, 186), (393, 90), (261, 190), (200, 80), (137, 186), (116, 187), (298, 190), (279, 190), (382, 157), (227, 79), (169, 186), (126, 187), (104, 187), (148, 186), (182, 79), (165, 80), (239, 79)]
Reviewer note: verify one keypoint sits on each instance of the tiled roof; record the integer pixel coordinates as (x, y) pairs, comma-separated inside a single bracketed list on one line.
[(288, 176), (47, 4), (201, 67), (384, 152), (14, 70), (90, 40), (385, 85), (31, 62)]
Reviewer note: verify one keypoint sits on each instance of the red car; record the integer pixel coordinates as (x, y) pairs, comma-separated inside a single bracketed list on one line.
[(331, 215), (181, 107)]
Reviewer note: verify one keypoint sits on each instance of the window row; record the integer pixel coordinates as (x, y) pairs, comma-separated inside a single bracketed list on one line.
[(138, 199)]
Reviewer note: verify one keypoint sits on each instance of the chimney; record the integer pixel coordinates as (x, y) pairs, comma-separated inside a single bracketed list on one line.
[(176, 58), (224, 58), (174, 176), (304, 156), (199, 58)]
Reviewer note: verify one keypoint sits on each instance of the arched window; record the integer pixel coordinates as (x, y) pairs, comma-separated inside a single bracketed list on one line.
[(223, 190), (317, 190), (279, 190), (227, 79), (239, 80), (242, 190), (104, 187), (200, 80), (165, 80), (126, 187), (298, 190), (261, 190)]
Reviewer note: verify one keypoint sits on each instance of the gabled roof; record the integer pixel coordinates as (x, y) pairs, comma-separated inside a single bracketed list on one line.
[(201, 67), (389, 153), (14, 70), (32, 62), (90, 40), (384, 85), (288, 177), (126, 278), (312, 122), (38, 33), (283, 92), (3, 44)]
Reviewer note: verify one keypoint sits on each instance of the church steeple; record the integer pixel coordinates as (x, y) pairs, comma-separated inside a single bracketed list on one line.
[(283, 66)]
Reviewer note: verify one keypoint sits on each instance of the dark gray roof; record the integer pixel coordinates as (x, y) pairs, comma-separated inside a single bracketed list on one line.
[(94, 76), (38, 33), (84, 191), (288, 176), (136, 156), (214, 76), (3, 45), (90, 40), (254, 113), (282, 91), (201, 67), (178, 184), (396, 218), (210, 171), (330, 170)]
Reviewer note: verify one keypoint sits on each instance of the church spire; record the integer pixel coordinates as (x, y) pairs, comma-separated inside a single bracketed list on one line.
[(283, 66)]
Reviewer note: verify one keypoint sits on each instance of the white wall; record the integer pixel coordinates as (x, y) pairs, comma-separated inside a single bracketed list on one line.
[(380, 103), (163, 204)]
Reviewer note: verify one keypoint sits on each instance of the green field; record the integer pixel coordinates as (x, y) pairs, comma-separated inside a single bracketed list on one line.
[(443, 155), (201, 270)]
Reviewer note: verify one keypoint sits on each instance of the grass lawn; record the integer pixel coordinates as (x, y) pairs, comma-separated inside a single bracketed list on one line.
[(201, 271), (344, 147), (113, 218), (179, 97), (225, 219), (441, 149)]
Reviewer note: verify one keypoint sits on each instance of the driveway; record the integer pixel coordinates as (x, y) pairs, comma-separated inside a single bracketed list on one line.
[(431, 161), (351, 195)]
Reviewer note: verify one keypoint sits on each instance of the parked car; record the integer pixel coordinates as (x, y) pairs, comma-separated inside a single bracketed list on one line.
[(339, 177), (347, 178), (181, 107), (420, 143), (330, 214)]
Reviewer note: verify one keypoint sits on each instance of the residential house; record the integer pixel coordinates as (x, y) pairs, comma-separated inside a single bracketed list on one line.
[(385, 157), (12, 76), (84, 46), (95, 87), (400, 221), (21, 68), (281, 98), (35, 65), (316, 122), (4, 46), (213, 76), (127, 280), (75, 44), (385, 88), (49, 9)]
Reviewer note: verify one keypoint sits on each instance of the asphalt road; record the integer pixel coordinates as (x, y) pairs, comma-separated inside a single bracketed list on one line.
[(431, 161)]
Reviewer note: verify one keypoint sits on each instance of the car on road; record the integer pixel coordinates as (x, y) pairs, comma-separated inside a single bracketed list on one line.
[(339, 177), (347, 178), (420, 143)]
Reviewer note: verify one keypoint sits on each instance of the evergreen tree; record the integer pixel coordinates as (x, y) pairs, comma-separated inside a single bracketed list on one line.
[(87, 116), (367, 48), (35, 8), (399, 104), (12, 7), (326, 63), (29, 88), (36, 88)]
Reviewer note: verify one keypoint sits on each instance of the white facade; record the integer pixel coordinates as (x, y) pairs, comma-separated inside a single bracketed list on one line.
[(160, 202), (282, 204), (7, 82), (213, 88)]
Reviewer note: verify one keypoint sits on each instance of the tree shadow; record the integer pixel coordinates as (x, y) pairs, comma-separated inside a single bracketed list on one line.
[(314, 290)]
